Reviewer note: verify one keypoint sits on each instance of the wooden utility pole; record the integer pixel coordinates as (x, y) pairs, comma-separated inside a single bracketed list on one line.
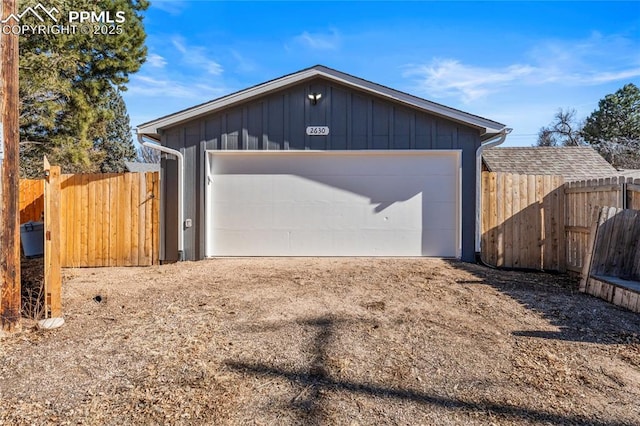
[(9, 173)]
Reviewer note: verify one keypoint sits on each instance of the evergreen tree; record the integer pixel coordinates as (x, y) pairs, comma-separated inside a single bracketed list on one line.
[(116, 144), (66, 80), (614, 128)]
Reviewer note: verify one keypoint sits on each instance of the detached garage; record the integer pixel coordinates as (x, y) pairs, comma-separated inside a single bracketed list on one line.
[(319, 163)]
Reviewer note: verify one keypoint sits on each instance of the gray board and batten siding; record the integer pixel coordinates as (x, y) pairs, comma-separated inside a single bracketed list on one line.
[(358, 120), (241, 117)]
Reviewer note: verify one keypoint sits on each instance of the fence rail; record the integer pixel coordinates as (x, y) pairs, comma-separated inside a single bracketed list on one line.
[(106, 219)]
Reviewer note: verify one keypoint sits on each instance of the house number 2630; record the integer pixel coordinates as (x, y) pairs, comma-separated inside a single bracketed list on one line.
[(317, 130)]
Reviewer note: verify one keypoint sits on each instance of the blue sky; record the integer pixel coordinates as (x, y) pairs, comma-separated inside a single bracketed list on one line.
[(513, 62)]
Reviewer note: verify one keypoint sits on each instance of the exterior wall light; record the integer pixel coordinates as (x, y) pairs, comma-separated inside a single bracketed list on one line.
[(314, 97)]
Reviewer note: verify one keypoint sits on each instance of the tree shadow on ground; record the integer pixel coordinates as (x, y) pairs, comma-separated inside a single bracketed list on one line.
[(579, 317), (317, 381)]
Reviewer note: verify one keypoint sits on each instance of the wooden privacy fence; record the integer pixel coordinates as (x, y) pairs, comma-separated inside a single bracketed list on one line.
[(109, 219), (583, 199), (540, 222), (612, 263), (522, 224)]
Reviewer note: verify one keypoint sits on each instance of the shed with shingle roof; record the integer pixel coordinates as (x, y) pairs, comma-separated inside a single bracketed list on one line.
[(572, 162)]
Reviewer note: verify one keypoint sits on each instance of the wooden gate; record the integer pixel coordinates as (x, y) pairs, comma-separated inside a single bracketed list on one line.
[(109, 219)]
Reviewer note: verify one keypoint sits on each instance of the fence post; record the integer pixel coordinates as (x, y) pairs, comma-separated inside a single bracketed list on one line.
[(156, 218), (52, 274)]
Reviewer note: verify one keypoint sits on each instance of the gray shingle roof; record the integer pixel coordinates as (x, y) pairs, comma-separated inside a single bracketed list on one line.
[(630, 173), (136, 167), (572, 162)]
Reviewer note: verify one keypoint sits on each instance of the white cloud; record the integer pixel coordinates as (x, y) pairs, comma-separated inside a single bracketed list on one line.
[(172, 7), (606, 77), (449, 77), (178, 43), (196, 56), (156, 61), (596, 60), (319, 41), (173, 88), (596, 50), (193, 76), (242, 63)]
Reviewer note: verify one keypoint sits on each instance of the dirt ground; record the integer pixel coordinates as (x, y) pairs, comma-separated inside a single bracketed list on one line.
[(324, 341)]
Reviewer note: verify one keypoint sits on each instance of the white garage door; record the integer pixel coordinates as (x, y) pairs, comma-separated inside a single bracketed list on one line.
[(392, 203)]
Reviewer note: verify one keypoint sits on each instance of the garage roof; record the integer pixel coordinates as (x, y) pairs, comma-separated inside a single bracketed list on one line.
[(487, 127)]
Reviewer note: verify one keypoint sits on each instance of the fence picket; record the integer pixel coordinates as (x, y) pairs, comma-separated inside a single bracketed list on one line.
[(519, 189), (106, 223), (91, 222), (508, 223)]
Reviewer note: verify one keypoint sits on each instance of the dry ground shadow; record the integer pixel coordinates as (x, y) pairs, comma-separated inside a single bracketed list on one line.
[(577, 317), (322, 341), (317, 380)]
